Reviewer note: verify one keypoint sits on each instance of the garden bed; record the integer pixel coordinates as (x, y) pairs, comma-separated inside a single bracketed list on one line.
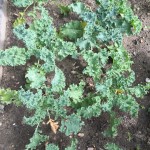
[(133, 134)]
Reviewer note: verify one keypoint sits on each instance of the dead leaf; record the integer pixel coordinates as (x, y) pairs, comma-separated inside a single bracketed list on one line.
[(54, 125), (118, 91)]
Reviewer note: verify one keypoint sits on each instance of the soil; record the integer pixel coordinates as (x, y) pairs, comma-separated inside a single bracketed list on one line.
[(133, 134)]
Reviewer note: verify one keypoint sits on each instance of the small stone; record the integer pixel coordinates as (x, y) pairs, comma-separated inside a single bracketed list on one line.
[(138, 8), (73, 72), (13, 77), (90, 148), (148, 14), (148, 80), (134, 53), (0, 123), (80, 134), (14, 124), (141, 41)]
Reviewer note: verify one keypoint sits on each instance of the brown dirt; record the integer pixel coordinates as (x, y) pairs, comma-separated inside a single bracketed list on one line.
[(134, 134)]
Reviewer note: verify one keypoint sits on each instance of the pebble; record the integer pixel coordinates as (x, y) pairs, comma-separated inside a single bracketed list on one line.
[(73, 72), (141, 41), (0, 123), (148, 80), (90, 148), (80, 134), (134, 53), (14, 124), (148, 14)]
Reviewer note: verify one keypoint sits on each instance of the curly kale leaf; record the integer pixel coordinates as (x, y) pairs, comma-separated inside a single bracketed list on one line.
[(71, 124), (73, 145), (8, 96), (51, 147), (76, 92), (63, 49), (114, 123), (36, 140), (28, 36), (49, 60), (110, 21), (36, 77), (72, 30), (58, 82), (22, 3), (59, 105), (95, 62), (78, 7), (90, 107), (38, 117), (14, 56), (29, 99), (25, 3)]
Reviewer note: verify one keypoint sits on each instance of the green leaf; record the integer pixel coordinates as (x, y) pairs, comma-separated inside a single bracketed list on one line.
[(29, 99), (36, 140), (76, 92), (20, 20), (25, 3), (114, 123), (49, 60), (37, 118), (58, 82), (72, 30), (36, 76), (78, 7), (63, 49), (71, 125), (8, 96), (95, 61), (112, 146), (52, 147), (64, 10), (90, 107), (14, 56), (25, 34), (73, 145), (22, 3)]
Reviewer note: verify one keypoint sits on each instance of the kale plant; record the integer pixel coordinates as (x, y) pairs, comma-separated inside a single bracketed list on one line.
[(97, 39)]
